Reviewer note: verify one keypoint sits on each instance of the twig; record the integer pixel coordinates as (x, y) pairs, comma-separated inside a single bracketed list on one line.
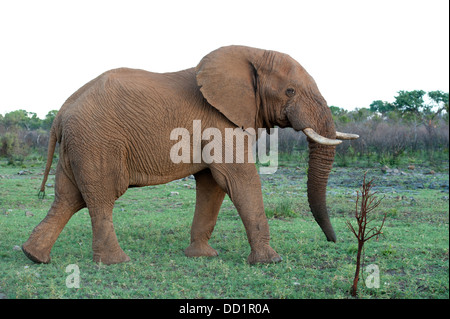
[(367, 203)]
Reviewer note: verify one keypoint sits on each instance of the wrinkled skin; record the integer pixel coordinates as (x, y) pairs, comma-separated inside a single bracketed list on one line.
[(114, 134)]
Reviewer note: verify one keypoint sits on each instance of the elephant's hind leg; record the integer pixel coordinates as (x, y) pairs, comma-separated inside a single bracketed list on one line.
[(104, 240), (101, 185), (209, 199), (68, 201)]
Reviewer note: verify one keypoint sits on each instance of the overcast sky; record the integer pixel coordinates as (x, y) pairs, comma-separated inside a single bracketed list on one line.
[(357, 51)]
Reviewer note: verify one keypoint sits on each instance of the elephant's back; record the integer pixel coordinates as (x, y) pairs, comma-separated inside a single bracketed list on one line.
[(131, 113), (133, 97)]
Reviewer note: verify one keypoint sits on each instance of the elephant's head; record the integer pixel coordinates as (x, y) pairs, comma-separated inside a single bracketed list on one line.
[(256, 88)]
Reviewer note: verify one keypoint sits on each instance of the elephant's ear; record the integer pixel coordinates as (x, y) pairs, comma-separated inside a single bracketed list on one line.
[(227, 80)]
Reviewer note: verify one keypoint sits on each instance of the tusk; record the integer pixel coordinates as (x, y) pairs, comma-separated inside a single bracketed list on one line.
[(346, 136), (319, 138)]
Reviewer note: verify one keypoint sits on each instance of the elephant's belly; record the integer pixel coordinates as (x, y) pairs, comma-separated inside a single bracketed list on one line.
[(153, 177)]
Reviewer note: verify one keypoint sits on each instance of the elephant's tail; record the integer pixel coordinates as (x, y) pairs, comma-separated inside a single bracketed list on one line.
[(51, 149)]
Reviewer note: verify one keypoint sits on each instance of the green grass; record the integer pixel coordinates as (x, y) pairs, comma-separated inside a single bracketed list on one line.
[(153, 226)]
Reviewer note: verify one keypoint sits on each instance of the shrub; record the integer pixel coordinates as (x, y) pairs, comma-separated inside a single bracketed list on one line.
[(13, 147)]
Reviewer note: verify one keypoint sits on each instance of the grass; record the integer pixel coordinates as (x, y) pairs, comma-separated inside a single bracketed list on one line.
[(153, 225)]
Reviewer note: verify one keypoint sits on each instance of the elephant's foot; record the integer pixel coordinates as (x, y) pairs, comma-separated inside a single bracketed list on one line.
[(264, 255), (111, 257), (36, 255), (200, 250)]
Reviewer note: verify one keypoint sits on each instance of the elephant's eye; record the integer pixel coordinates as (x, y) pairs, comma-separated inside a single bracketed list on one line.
[(290, 92)]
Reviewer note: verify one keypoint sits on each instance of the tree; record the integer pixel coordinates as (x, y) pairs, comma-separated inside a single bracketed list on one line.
[(48, 121), (362, 232), (21, 119), (410, 102), (16, 119), (414, 108), (336, 110), (439, 101), (339, 114), (361, 114), (381, 107), (33, 122)]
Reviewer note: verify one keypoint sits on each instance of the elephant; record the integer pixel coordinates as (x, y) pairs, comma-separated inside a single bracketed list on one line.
[(114, 133)]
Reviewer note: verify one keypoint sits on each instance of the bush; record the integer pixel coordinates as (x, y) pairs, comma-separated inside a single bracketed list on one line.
[(290, 141), (13, 147), (23, 133), (385, 141)]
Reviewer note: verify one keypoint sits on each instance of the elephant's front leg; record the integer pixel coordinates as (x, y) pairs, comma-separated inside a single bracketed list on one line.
[(209, 199), (242, 183)]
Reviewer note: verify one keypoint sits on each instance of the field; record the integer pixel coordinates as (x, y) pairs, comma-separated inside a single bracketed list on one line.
[(153, 225)]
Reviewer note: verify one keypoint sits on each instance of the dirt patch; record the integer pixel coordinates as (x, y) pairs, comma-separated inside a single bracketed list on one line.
[(384, 179)]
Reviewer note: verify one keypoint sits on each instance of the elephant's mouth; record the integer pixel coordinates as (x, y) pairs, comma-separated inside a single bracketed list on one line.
[(313, 135)]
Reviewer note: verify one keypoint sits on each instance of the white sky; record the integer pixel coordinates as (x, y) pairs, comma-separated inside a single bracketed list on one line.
[(357, 51)]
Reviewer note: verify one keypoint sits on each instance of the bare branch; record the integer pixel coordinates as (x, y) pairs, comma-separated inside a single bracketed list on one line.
[(366, 202)]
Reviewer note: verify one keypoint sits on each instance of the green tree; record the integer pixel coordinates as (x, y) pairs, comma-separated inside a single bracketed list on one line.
[(16, 119), (48, 121), (339, 114), (33, 122), (413, 107), (410, 102), (336, 110), (382, 107), (439, 101), (21, 119), (360, 114)]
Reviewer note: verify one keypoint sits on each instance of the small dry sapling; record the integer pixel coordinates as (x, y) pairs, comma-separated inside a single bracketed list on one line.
[(366, 202)]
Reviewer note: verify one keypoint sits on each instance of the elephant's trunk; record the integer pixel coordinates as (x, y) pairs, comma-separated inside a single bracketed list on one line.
[(317, 124), (321, 159)]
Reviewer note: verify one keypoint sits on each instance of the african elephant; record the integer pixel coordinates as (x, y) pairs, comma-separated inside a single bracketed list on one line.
[(114, 134)]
